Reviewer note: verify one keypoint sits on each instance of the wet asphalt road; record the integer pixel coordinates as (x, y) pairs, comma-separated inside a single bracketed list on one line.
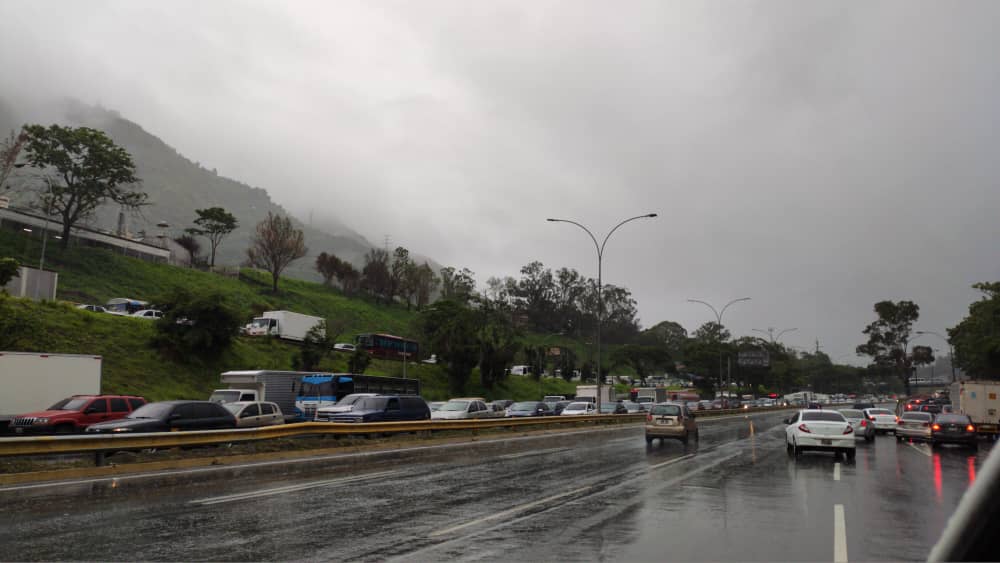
[(586, 495)]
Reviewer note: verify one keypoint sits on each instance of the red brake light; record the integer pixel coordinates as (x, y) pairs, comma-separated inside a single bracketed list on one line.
[(805, 429), (970, 428), (864, 423), (848, 430), (936, 427), (649, 418), (899, 422)]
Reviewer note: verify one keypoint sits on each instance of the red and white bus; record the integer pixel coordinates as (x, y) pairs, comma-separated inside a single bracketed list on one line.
[(387, 346)]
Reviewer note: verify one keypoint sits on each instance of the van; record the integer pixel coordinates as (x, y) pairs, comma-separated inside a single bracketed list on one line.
[(520, 370)]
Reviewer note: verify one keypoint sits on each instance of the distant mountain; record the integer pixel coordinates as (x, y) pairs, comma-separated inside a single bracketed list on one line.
[(177, 186)]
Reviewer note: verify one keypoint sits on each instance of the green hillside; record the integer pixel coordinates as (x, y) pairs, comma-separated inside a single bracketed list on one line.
[(89, 275)]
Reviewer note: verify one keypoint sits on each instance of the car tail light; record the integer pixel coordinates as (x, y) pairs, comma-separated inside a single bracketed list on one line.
[(897, 419), (864, 423), (970, 428), (649, 418), (848, 430), (804, 428), (936, 427), (899, 422), (909, 407)]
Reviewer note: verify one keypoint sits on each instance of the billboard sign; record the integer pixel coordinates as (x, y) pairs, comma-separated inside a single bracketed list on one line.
[(754, 359)]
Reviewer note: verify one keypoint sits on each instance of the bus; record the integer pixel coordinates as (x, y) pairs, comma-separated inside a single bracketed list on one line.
[(320, 390), (387, 346)]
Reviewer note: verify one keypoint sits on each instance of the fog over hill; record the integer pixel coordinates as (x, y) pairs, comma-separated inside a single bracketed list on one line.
[(178, 185)]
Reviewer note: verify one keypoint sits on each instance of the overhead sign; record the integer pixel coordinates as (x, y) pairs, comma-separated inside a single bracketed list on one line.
[(754, 359)]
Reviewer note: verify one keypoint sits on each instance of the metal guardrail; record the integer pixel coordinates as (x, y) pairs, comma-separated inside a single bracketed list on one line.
[(102, 444)]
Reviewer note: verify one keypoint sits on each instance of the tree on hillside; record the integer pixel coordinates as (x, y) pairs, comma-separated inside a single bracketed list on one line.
[(82, 168), (198, 324), (8, 269), (10, 150), (349, 277), (359, 360), (401, 264), (977, 338), (191, 245), (214, 224), (458, 285), (449, 329), (315, 346), (375, 274), (888, 337), (642, 359), (668, 334), (497, 341), (426, 283), (328, 266), (275, 245)]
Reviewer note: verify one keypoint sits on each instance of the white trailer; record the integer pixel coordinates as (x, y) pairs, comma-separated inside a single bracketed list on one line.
[(283, 324), (279, 387), (585, 392), (981, 401), (32, 381)]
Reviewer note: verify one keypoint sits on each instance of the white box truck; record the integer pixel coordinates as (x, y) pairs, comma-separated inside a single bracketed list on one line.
[(279, 387), (283, 324), (981, 401), (33, 381), (589, 392)]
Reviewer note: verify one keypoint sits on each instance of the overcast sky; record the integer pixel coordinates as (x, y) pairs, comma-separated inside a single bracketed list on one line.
[(815, 156)]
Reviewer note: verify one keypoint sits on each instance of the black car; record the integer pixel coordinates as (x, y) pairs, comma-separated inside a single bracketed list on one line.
[(168, 416), (863, 406), (386, 408), (613, 408), (558, 407), (954, 429), (529, 408)]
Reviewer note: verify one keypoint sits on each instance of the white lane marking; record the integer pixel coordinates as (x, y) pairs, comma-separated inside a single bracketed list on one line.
[(538, 452), (291, 488), (671, 462), (839, 535), (836, 471), (508, 512), (924, 450), (330, 457)]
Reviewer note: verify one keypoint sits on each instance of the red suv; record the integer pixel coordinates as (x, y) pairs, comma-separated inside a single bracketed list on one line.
[(76, 413)]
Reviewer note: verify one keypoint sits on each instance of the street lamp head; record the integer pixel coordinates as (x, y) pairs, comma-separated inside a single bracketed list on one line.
[(651, 215)]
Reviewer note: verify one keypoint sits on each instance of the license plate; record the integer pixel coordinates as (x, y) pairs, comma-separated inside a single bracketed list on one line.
[(825, 442)]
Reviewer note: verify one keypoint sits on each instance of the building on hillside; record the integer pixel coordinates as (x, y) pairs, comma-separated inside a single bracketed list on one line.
[(29, 224)]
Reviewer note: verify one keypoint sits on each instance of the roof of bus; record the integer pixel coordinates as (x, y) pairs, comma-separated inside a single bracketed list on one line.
[(386, 335)]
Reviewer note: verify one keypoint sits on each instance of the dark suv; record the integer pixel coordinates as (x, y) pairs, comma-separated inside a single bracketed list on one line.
[(76, 413), (168, 416), (386, 408)]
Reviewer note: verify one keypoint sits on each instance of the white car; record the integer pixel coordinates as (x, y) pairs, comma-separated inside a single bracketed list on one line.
[(819, 430), (578, 408), (92, 308), (884, 420), (343, 347), (456, 409), (151, 314)]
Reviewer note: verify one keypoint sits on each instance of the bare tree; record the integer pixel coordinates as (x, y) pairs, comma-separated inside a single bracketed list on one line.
[(275, 245)]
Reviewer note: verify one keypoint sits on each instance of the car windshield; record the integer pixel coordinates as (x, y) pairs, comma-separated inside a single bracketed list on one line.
[(455, 406), (371, 404), (880, 411), (524, 406), (608, 407), (69, 404), (851, 413), (234, 408), (576, 406), (952, 419), (666, 410), (225, 396), (826, 416), (349, 400), (152, 410), (920, 416)]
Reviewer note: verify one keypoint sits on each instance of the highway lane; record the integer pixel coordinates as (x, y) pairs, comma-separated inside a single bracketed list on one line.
[(580, 496)]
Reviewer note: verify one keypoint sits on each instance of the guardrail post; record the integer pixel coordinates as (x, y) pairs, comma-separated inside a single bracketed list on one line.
[(99, 459)]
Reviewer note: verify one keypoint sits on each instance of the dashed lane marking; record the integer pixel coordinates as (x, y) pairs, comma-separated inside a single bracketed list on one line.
[(291, 488), (508, 512), (921, 448), (836, 471), (839, 535)]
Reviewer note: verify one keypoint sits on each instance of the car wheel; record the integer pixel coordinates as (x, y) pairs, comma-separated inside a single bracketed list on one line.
[(684, 440), (65, 429), (649, 440), (790, 449), (899, 438), (850, 453), (696, 436)]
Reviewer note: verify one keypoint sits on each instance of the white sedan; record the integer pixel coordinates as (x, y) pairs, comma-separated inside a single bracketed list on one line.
[(579, 408), (819, 430), (884, 420)]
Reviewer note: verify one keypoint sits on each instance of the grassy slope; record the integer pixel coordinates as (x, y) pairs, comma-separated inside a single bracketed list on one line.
[(131, 366)]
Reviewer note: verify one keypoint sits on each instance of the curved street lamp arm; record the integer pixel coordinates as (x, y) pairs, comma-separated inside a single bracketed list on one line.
[(646, 216), (730, 303), (784, 331), (592, 237), (718, 317)]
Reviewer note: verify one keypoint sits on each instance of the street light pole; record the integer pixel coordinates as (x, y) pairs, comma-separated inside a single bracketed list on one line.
[(951, 350), (600, 284), (770, 332), (718, 317)]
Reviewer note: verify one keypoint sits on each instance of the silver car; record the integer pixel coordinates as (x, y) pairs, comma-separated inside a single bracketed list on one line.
[(251, 413), (862, 429), (915, 425), (456, 409)]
